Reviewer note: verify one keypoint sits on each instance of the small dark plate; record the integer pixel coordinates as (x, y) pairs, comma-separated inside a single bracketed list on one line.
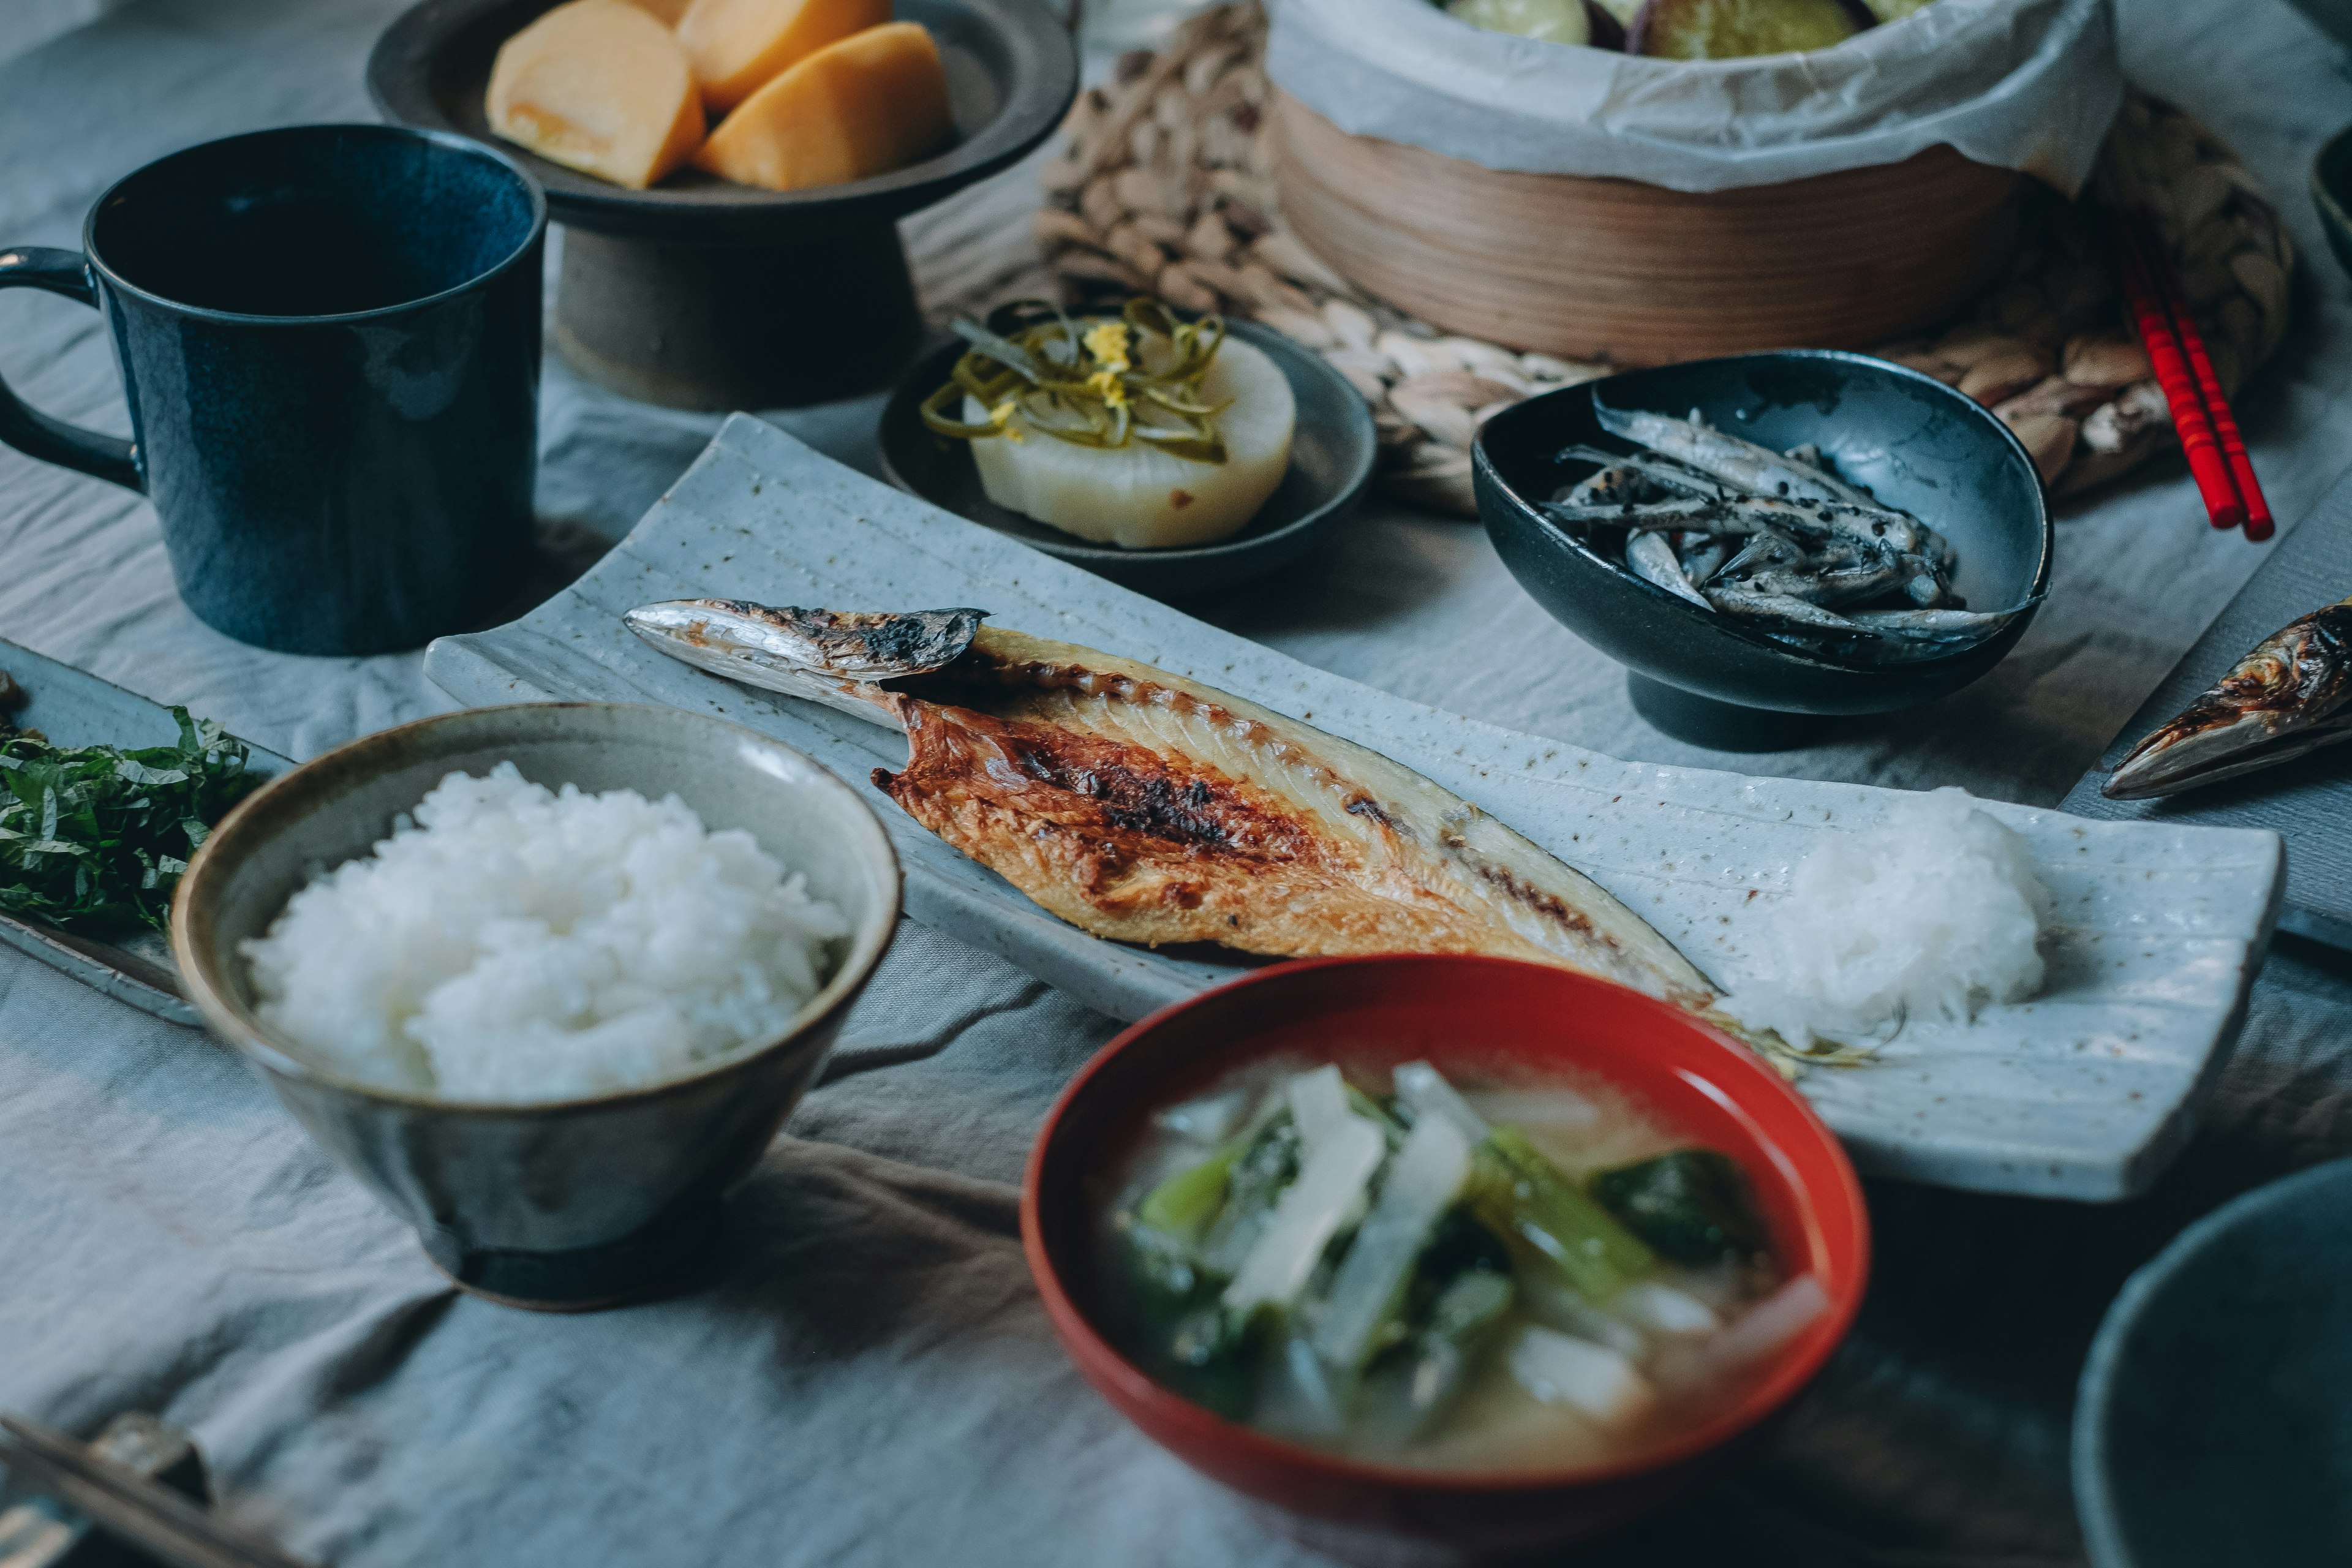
[(2331, 192), (1010, 70), (1330, 463), (1916, 443), (2214, 1423)]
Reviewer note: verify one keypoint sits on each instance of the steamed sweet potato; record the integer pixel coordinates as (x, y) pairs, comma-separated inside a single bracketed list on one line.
[(873, 102), (737, 46), (598, 86)]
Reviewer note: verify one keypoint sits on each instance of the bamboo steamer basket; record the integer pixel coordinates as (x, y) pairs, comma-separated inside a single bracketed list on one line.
[(1639, 274)]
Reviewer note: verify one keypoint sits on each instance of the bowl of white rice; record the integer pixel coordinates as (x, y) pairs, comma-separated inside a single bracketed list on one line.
[(548, 978)]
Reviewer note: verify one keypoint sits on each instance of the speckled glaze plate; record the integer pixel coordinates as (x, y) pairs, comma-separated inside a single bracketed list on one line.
[(2085, 1092), (74, 709)]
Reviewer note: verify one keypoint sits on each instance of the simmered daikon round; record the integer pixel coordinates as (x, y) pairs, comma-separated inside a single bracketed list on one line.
[(1134, 494)]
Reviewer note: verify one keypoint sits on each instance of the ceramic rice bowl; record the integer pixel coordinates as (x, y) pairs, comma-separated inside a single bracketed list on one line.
[(566, 1204)]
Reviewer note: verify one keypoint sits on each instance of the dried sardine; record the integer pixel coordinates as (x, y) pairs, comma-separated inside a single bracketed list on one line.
[(2292, 695), (1845, 586), (1942, 625), (1653, 561), (1142, 806), (1743, 465), (1777, 608), (1613, 486), (1670, 477)]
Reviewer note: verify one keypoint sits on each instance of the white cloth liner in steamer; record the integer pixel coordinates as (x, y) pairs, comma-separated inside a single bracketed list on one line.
[(2022, 84)]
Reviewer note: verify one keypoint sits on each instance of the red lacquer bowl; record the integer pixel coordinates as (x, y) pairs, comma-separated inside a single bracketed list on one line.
[(1477, 1016)]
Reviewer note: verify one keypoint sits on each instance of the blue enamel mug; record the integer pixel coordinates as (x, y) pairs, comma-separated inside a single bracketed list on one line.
[(329, 339)]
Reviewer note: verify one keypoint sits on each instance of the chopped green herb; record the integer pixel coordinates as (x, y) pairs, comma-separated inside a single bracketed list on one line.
[(94, 839)]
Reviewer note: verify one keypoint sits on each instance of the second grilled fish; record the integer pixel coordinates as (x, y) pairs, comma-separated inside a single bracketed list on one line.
[(1142, 806), (2292, 694)]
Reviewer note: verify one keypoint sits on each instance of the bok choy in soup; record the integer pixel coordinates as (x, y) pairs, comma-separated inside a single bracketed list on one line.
[(1457, 1276)]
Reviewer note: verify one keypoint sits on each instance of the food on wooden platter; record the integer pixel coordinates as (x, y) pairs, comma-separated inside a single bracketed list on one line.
[(1453, 1276), (871, 102), (1137, 430), (1935, 913), (598, 86), (814, 92), (508, 943), (666, 11), (1685, 29), (1774, 539), (94, 839), (2292, 695), (737, 46)]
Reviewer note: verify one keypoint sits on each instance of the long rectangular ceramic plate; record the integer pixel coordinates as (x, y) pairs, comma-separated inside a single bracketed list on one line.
[(2308, 801), (74, 708), (2083, 1092)]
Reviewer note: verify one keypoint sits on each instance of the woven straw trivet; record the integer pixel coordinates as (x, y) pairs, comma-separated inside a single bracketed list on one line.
[(1164, 185)]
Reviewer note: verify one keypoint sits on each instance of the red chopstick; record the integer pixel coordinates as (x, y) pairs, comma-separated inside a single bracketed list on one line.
[(2234, 457), (2198, 442)]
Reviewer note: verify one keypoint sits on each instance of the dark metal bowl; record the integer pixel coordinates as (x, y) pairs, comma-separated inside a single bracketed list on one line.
[(570, 1204), (701, 293), (1330, 463), (1715, 681)]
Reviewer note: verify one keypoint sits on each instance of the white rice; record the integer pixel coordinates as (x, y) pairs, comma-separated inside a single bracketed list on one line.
[(514, 945), (1935, 915)]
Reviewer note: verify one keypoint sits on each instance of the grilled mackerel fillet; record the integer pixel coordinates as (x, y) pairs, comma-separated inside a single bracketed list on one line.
[(1142, 806)]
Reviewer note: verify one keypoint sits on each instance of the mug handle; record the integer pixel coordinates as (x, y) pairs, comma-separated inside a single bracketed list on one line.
[(29, 430)]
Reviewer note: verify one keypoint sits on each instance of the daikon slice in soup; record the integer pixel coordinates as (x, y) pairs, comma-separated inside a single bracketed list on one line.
[(1454, 1274)]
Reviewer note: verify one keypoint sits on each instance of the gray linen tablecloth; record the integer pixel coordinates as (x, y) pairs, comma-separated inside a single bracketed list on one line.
[(868, 1377)]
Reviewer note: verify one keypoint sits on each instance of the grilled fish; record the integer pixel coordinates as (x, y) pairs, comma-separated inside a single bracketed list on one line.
[(1146, 807), (2292, 695)]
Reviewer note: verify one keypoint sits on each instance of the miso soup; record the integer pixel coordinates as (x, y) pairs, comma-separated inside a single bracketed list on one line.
[(1471, 1276)]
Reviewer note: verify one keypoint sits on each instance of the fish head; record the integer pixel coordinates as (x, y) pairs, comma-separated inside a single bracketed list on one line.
[(2291, 695), (832, 656), (855, 645)]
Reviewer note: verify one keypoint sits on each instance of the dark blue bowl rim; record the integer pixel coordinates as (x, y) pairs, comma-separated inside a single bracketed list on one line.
[(1275, 347), (447, 141), (1485, 475), (2102, 1521)]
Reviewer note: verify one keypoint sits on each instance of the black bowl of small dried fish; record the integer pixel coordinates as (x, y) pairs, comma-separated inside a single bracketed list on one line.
[(1803, 532)]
